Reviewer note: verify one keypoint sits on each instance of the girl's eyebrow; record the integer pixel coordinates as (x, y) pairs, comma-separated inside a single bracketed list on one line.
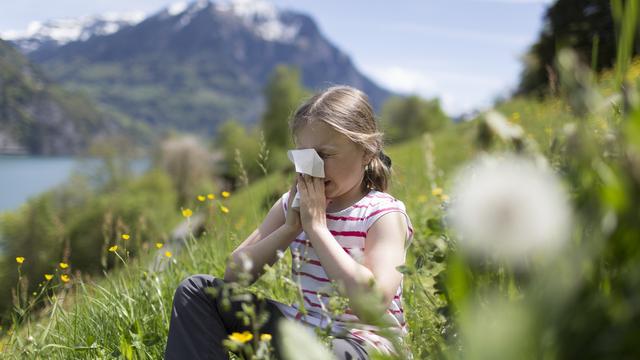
[(325, 148), (320, 148)]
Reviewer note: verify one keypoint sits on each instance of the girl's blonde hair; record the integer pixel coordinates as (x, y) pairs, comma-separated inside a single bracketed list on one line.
[(347, 110)]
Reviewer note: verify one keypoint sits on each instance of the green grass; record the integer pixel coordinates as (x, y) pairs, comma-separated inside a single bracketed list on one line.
[(128, 311), (126, 314)]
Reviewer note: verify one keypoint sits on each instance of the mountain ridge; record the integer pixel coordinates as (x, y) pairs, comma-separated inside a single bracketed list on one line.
[(192, 66), (38, 117)]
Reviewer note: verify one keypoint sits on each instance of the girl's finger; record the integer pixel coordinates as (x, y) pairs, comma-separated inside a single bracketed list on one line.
[(310, 184), (316, 183), (292, 193), (309, 180), (302, 182)]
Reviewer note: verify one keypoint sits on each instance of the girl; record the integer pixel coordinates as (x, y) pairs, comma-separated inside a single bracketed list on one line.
[(347, 231)]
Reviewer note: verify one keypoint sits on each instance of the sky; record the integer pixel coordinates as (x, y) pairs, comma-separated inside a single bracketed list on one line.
[(465, 52)]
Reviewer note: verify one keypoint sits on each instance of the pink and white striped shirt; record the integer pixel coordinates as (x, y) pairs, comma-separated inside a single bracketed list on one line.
[(349, 227)]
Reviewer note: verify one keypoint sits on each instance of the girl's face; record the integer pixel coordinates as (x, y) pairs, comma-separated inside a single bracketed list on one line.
[(344, 160)]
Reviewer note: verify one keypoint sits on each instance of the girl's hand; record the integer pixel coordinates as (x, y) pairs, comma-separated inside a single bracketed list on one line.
[(313, 203), (293, 215)]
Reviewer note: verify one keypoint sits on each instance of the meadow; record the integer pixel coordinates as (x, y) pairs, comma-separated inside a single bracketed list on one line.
[(577, 298)]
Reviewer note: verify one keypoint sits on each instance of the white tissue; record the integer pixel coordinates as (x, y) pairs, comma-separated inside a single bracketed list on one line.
[(306, 161)]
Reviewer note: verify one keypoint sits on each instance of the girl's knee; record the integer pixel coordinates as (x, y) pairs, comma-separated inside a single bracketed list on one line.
[(196, 285), (345, 349)]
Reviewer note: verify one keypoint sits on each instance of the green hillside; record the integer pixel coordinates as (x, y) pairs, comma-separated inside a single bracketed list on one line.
[(129, 310), (127, 314), (39, 117)]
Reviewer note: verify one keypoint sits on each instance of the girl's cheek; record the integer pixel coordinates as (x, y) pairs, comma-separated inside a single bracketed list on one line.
[(327, 166)]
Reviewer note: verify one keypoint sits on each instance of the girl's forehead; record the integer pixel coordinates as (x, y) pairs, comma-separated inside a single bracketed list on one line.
[(319, 136)]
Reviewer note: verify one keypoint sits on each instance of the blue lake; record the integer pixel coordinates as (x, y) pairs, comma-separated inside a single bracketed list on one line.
[(24, 176)]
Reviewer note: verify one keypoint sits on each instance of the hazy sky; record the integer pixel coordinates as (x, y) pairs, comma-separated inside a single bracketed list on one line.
[(466, 52)]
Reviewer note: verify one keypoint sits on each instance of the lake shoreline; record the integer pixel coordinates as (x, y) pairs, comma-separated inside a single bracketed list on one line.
[(25, 176)]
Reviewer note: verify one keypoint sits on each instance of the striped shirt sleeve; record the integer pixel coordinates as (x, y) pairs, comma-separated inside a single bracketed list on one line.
[(387, 206)]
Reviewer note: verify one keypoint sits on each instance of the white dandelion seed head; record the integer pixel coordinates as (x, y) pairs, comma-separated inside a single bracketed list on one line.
[(247, 263), (508, 208), (502, 127)]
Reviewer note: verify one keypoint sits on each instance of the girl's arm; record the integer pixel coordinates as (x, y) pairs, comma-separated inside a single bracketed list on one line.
[(384, 249), (261, 247)]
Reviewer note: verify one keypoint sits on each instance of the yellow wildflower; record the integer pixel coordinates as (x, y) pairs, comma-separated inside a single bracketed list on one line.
[(48, 276), (65, 278), (114, 248), (225, 194), (168, 254), (436, 191), (224, 209), (444, 197), (187, 213), (159, 245), (63, 265), (265, 337), (125, 236), (242, 337), (20, 259), (201, 198), (211, 196)]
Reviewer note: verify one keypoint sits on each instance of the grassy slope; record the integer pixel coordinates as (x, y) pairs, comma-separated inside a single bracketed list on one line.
[(131, 306), (128, 311)]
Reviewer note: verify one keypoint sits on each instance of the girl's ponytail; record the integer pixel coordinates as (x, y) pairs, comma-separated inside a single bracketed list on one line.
[(377, 173)]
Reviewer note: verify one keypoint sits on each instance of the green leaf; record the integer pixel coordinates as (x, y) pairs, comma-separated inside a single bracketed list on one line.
[(299, 342), (404, 269), (435, 225)]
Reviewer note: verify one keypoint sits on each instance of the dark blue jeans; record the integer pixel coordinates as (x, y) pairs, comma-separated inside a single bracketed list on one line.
[(199, 322)]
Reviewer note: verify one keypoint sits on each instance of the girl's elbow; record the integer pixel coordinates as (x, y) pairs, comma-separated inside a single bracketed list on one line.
[(234, 264), (240, 269), (229, 275)]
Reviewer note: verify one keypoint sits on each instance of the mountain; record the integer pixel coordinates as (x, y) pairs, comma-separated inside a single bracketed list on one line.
[(37, 116), (54, 33), (193, 65)]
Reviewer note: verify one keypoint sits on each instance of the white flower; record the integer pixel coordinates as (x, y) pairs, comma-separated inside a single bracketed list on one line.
[(508, 208), (300, 342), (247, 263), (502, 127)]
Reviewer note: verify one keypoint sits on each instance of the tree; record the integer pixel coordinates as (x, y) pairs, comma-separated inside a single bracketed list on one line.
[(188, 163), (587, 26), (283, 94), (405, 118), (240, 151)]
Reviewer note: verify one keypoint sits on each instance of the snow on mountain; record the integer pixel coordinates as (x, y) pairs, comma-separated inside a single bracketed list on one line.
[(187, 11), (260, 16), (62, 31), (263, 17), (177, 8)]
